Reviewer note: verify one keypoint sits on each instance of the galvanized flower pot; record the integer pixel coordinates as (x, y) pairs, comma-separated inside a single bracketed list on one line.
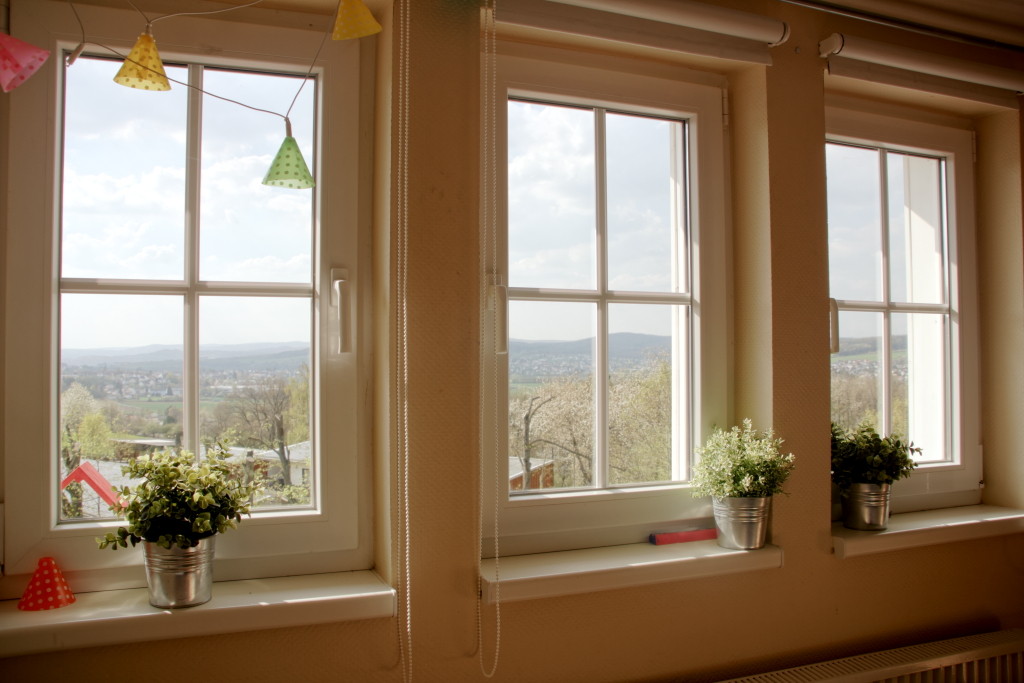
[(179, 577), (742, 523), (866, 507)]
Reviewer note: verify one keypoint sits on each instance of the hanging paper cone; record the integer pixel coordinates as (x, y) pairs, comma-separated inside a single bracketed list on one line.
[(289, 168), (47, 589), (143, 68), (18, 61), (354, 21)]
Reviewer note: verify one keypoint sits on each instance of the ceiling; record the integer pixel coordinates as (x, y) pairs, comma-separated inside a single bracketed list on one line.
[(988, 21)]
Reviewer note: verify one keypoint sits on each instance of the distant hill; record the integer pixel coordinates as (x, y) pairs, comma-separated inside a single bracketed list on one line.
[(215, 357)]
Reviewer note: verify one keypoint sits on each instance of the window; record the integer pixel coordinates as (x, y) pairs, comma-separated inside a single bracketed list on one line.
[(900, 269), (613, 250), (169, 299)]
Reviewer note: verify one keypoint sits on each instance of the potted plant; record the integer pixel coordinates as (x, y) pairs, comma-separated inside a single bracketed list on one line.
[(176, 511), (741, 469), (864, 466)]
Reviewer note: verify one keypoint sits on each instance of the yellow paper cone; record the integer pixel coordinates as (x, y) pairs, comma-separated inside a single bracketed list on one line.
[(143, 68), (354, 21)]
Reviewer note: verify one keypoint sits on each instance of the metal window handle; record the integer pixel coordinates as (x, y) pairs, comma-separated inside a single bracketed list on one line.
[(339, 280), (498, 304), (833, 325)]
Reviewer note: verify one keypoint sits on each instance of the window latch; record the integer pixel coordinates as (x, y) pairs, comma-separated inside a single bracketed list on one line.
[(833, 325), (339, 312)]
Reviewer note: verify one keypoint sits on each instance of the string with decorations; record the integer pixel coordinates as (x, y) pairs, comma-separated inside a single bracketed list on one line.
[(143, 69)]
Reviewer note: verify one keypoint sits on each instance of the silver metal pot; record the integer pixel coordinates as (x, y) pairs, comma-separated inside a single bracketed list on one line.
[(179, 577), (742, 523), (866, 507)]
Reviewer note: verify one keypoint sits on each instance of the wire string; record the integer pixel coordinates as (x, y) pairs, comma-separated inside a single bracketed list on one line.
[(149, 22), (489, 299), (402, 340)]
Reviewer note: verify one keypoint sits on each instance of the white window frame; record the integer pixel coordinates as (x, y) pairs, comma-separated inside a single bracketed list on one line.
[(542, 522), (337, 534), (953, 478)]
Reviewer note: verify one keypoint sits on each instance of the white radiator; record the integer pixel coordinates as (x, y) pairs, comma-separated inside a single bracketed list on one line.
[(996, 657)]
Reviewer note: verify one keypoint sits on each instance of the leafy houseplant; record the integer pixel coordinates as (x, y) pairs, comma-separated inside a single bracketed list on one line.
[(176, 511), (180, 500), (864, 465), (741, 463), (741, 469)]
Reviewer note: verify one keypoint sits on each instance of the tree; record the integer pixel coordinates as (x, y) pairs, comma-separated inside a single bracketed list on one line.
[(260, 413)]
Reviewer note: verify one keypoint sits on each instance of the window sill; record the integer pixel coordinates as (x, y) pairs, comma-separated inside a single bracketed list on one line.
[(525, 577), (930, 527), (124, 616)]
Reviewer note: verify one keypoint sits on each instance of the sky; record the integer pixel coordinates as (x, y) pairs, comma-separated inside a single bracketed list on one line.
[(124, 210), (124, 205)]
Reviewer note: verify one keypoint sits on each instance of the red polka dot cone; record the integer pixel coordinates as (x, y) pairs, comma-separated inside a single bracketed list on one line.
[(47, 589)]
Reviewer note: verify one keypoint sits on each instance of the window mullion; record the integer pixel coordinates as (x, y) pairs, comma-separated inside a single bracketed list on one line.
[(193, 166), (600, 455), (885, 360)]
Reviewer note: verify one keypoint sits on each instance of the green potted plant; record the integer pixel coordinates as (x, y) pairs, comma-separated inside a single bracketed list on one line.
[(741, 469), (176, 511), (864, 466)]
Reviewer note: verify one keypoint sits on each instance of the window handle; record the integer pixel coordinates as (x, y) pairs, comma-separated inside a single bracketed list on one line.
[(833, 325), (339, 312), (497, 302)]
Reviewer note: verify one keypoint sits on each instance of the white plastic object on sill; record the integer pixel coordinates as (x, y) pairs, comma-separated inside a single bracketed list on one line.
[(125, 616), (930, 527), (525, 577)]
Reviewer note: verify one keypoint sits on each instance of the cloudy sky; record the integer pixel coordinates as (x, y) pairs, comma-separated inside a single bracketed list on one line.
[(124, 205)]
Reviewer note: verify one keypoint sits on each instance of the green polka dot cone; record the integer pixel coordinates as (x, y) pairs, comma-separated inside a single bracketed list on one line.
[(289, 168), (143, 69)]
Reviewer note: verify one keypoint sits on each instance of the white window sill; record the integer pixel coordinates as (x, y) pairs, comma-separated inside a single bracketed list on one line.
[(124, 616), (525, 577), (930, 527)]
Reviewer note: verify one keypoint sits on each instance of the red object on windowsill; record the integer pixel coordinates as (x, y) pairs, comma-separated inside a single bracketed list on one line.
[(47, 589)]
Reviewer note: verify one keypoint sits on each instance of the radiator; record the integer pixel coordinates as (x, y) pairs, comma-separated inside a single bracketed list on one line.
[(996, 657)]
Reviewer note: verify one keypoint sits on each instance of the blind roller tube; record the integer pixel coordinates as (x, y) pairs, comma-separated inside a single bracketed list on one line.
[(697, 15), (875, 52)]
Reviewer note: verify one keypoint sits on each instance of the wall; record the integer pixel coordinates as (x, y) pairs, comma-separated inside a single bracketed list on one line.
[(816, 606)]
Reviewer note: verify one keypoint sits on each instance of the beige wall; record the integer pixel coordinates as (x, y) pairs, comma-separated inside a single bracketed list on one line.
[(815, 606)]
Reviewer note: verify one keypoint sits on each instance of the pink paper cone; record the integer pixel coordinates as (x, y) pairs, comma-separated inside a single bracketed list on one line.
[(18, 61)]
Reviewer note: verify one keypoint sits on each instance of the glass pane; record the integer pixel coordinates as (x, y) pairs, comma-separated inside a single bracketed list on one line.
[(854, 230), (254, 394), (645, 186), (124, 176), (919, 382), (856, 370), (551, 395), (551, 195), (647, 349), (121, 390), (916, 234), (250, 231)]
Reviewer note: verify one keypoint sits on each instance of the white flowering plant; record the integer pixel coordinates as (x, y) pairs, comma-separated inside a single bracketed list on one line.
[(741, 463)]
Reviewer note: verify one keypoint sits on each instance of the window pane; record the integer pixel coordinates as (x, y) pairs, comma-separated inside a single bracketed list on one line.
[(551, 195), (919, 385), (854, 232), (250, 231), (121, 389), (856, 371), (124, 176), (916, 246), (551, 394), (646, 410), (254, 398), (645, 184)]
